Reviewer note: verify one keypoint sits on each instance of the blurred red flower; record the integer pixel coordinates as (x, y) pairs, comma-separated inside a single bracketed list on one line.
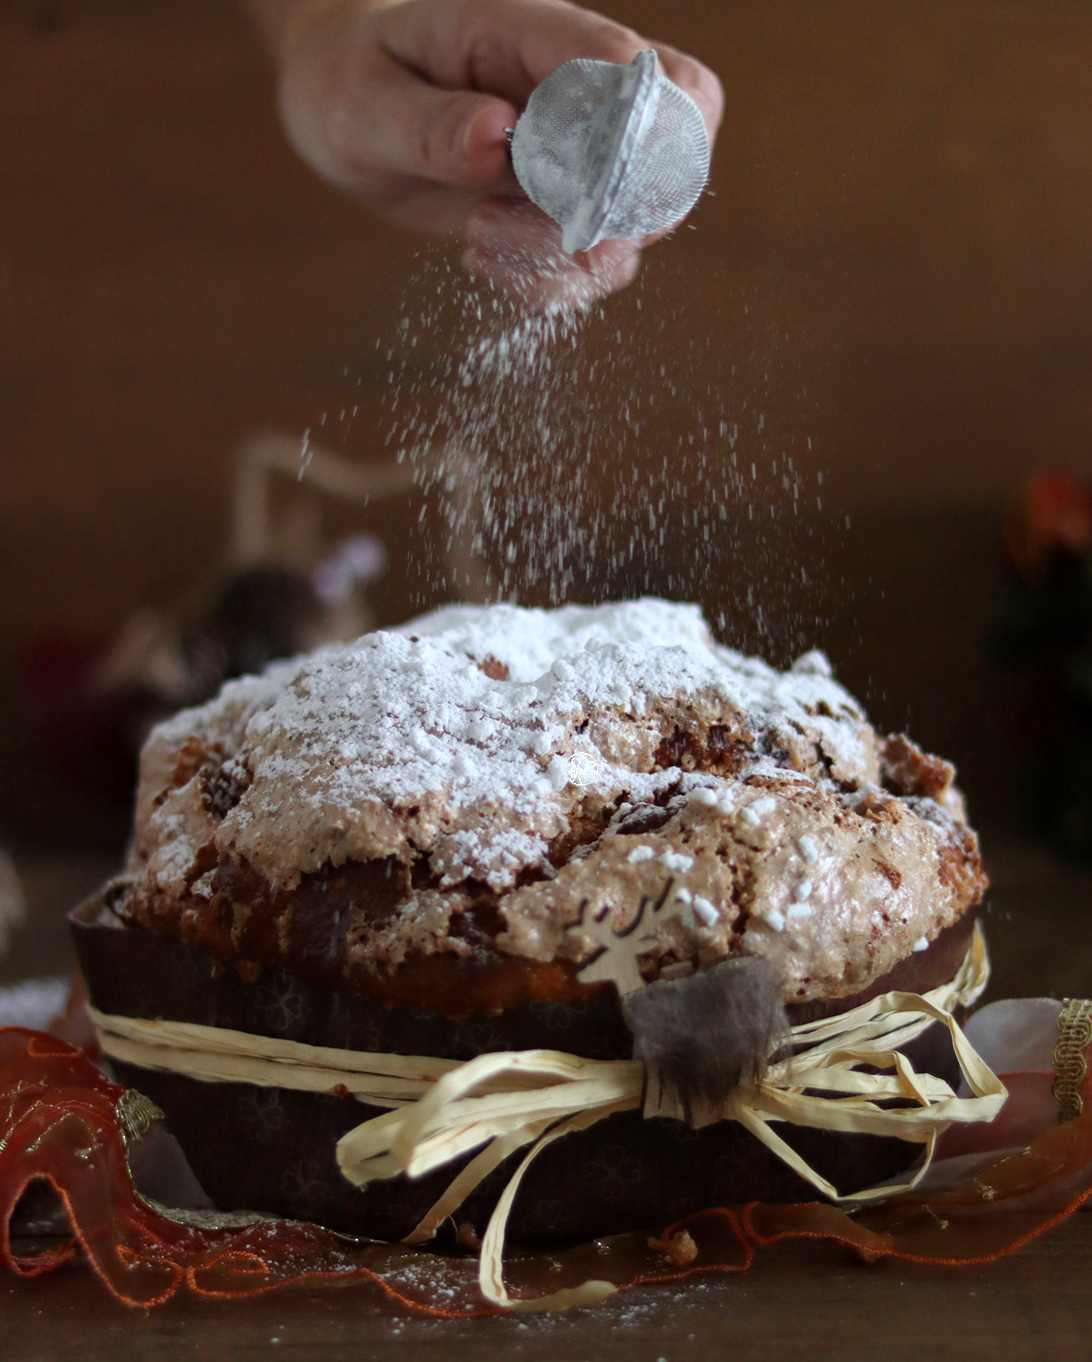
[(1051, 515)]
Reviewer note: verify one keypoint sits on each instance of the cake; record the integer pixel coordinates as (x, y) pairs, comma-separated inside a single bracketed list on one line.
[(393, 845)]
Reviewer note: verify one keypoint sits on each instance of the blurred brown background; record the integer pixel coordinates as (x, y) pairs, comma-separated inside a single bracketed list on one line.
[(895, 268)]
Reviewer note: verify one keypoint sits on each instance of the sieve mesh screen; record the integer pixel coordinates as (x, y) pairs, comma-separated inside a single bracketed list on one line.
[(611, 151)]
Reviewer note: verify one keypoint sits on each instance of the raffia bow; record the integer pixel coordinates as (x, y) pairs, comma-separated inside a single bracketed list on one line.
[(441, 1109)]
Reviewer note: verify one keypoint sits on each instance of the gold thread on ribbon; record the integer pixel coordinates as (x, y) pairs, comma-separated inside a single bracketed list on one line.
[(136, 1115), (439, 1110), (1067, 1058)]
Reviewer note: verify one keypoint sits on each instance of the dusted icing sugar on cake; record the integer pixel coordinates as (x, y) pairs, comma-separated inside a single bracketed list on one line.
[(477, 731), (533, 761)]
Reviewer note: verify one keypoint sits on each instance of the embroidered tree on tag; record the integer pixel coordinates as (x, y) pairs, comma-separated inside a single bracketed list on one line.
[(616, 959)]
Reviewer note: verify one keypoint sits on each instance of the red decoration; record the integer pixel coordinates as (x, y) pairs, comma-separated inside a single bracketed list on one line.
[(1051, 515), (58, 1123)]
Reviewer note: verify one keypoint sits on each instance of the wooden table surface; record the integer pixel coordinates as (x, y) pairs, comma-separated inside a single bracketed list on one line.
[(797, 1299)]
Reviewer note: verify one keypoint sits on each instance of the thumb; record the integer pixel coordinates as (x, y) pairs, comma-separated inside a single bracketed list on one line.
[(413, 129)]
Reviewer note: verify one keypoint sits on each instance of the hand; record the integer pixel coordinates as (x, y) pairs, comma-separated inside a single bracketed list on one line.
[(406, 105)]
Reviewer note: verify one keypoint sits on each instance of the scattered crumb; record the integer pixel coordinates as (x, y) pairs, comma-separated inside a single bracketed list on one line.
[(679, 1249)]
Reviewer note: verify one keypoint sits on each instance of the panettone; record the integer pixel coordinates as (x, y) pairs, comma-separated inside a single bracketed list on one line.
[(393, 846)]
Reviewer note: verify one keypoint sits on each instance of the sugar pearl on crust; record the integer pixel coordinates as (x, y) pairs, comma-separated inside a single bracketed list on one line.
[(808, 848), (677, 861), (705, 910), (757, 810)]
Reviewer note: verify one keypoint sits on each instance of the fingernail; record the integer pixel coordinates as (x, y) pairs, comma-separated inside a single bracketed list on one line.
[(468, 133), (498, 139)]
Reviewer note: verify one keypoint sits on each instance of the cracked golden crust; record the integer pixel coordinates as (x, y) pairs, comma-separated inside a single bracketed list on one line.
[(763, 800), (833, 896)]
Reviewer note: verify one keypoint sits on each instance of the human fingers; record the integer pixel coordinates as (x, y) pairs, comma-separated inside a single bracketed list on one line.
[(506, 47), (696, 79), (409, 128), (425, 90), (362, 119)]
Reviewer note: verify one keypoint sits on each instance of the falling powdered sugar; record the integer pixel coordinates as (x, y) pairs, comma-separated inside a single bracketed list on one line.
[(581, 453)]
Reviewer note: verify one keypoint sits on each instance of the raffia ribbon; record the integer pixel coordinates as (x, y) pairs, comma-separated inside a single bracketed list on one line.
[(441, 1109)]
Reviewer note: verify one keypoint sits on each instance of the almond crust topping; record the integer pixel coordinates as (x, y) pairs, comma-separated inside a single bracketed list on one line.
[(463, 787)]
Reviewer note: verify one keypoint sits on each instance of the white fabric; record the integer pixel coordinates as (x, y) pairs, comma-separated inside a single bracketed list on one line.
[(33, 1003), (1015, 1034)]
